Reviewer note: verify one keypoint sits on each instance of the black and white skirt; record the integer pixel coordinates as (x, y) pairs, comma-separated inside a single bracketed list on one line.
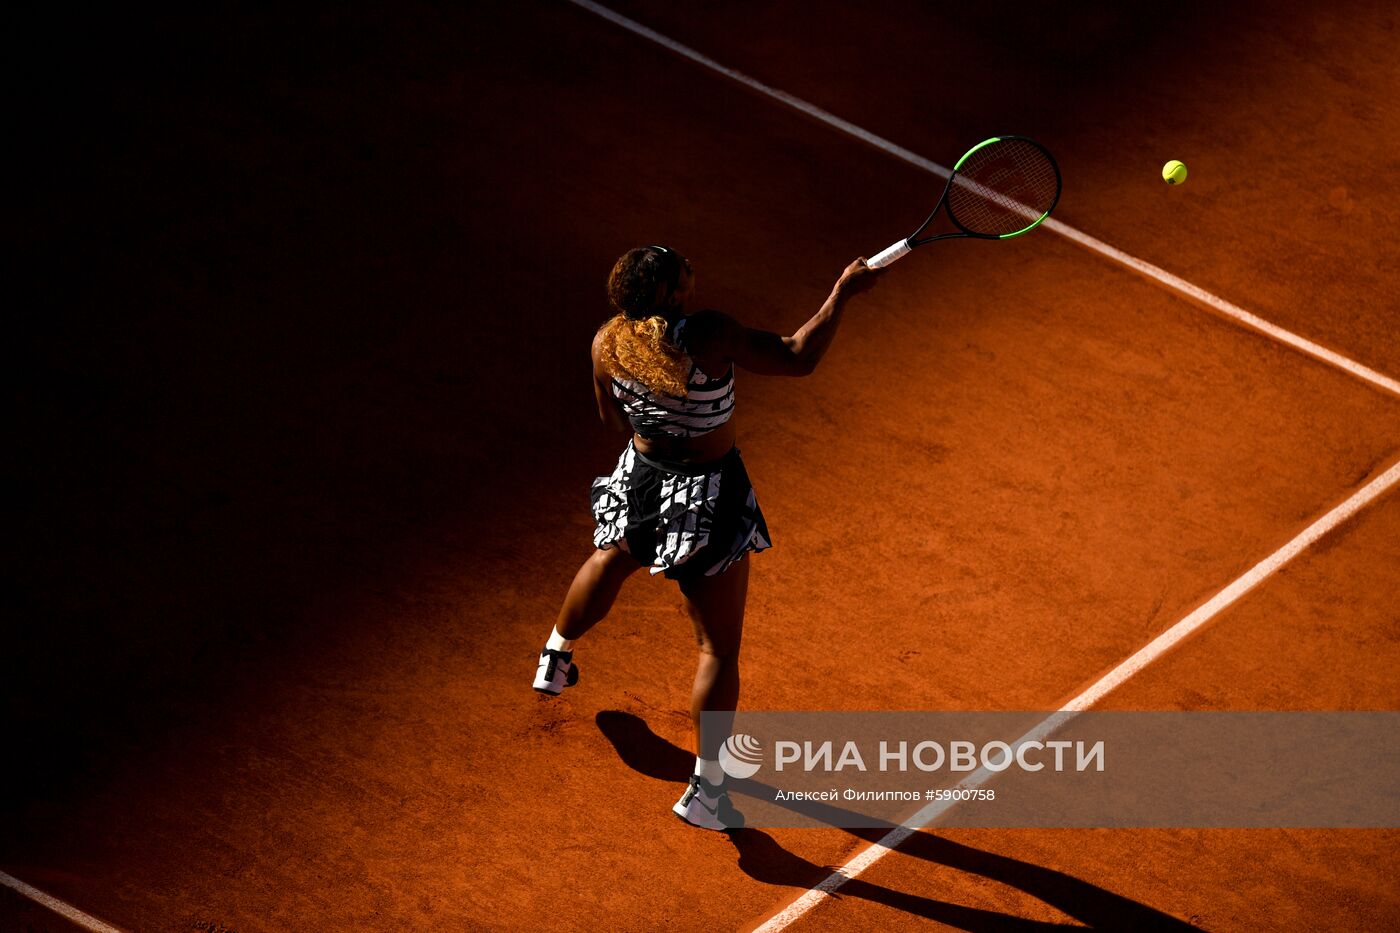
[(684, 519)]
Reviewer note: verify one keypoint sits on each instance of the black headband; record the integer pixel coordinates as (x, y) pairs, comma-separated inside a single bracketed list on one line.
[(671, 269), (671, 261)]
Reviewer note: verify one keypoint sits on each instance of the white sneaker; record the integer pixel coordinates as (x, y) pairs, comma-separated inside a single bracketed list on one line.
[(557, 670), (708, 806)]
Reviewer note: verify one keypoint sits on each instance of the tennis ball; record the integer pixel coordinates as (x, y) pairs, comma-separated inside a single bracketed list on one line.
[(1174, 172)]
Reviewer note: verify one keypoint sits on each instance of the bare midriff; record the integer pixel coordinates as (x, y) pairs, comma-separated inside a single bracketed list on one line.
[(696, 449)]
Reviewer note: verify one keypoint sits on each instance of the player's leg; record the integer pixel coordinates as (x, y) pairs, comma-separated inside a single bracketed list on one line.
[(594, 590), (716, 608), (590, 596)]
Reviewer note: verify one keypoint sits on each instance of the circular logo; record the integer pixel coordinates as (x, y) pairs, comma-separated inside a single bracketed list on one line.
[(741, 756)]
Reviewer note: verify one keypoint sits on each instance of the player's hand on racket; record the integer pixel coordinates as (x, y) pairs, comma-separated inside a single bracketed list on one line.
[(1001, 188), (856, 278)]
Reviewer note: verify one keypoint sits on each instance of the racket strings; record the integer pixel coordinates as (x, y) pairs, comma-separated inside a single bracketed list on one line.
[(1003, 187)]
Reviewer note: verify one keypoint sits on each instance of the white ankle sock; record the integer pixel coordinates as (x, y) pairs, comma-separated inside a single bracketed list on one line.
[(709, 770), (558, 642)]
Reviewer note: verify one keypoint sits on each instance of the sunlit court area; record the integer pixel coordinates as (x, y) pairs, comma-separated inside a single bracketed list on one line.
[(309, 453)]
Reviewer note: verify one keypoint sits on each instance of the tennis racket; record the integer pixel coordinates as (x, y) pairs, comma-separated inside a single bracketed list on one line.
[(1001, 188)]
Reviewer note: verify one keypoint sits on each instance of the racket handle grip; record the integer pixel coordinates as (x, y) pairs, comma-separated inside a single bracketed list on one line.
[(882, 259)]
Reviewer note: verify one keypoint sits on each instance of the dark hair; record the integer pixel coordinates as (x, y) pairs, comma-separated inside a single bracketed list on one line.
[(635, 342), (643, 280)]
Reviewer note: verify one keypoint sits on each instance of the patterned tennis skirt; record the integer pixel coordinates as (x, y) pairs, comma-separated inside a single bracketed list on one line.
[(684, 519)]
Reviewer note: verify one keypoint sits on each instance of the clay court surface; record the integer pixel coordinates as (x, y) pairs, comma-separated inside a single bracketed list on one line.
[(306, 435)]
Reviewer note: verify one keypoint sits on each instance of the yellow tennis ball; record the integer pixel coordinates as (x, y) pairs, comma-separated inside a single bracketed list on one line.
[(1174, 172)]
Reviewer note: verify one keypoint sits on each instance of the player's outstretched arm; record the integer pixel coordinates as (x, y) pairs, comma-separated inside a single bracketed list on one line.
[(771, 354)]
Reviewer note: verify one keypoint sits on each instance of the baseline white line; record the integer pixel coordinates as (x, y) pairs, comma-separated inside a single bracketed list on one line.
[(1175, 283), (59, 907), (1095, 692)]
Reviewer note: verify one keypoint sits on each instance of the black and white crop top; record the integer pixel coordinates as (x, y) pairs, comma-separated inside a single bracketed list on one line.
[(708, 402)]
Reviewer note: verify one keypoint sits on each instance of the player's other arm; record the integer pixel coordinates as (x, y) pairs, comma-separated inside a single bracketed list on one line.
[(771, 354), (609, 408)]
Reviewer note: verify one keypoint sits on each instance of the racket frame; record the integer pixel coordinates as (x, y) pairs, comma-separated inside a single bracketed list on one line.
[(899, 249)]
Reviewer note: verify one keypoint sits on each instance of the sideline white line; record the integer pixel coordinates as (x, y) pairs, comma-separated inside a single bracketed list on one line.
[(1091, 695), (1175, 283), (1252, 321), (57, 906)]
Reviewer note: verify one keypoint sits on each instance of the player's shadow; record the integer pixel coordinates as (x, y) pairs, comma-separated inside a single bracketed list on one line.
[(761, 858)]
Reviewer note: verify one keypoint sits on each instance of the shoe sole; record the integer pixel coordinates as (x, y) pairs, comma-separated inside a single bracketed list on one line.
[(569, 681), (713, 829)]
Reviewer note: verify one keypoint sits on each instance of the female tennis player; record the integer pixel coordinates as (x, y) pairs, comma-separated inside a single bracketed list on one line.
[(679, 501)]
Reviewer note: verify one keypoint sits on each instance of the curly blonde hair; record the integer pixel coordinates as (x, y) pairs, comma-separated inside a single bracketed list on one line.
[(634, 344)]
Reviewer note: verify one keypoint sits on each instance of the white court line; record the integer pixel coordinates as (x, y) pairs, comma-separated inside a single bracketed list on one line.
[(1178, 284), (57, 906), (1173, 282), (1091, 695)]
